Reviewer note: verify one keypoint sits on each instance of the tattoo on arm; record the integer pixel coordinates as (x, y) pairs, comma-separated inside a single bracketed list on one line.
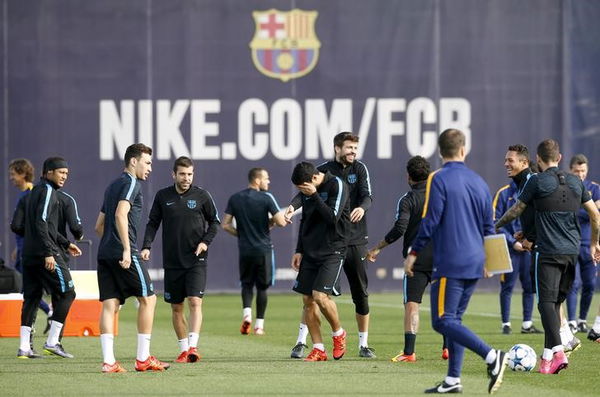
[(512, 213)]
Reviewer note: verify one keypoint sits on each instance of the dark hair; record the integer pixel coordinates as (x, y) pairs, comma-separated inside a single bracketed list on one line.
[(578, 159), (303, 172), (342, 137), (255, 173), (450, 142), (182, 161), (521, 150), (533, 166), (135, 151), (418, 168), (22, 167), (53, 163), (548, 150)]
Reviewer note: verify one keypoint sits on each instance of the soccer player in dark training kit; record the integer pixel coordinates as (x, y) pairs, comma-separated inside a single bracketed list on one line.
[(585, 265), (408, 219), (43, 263), (557, 197), (516, 163), (121, 274), (189, 224), (322, 242), (356, 175), (251, 209), (457, 214)]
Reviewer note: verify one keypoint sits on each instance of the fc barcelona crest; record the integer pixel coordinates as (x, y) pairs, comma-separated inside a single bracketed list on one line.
[(285, 45), (352, 178), (191, 204)]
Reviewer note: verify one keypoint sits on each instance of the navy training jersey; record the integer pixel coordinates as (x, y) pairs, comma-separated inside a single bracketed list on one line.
[(126, 187), (584, 218), (251, 209), (558, 231)]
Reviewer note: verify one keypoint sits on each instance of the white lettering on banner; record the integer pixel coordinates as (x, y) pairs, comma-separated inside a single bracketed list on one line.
[(283, 129)]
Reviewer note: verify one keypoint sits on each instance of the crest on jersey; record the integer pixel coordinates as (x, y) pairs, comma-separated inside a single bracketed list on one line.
[(324, 195), (285, 45), (352, 178), (191, 204)]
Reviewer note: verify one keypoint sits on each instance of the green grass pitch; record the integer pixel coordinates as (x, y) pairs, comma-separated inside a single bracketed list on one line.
[(234, 364)]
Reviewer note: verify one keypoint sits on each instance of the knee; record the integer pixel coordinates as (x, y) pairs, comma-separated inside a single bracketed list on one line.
[(147, 301), (361, 304), (320, 298), (195, 302)]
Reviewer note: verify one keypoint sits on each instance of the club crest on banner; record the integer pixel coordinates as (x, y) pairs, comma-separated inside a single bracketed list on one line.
[(285, 45)]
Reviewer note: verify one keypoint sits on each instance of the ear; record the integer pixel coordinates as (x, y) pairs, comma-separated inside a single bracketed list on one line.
[(559, 158)]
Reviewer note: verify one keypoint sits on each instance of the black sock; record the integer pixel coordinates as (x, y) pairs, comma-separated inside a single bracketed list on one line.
[(409, 342), (444, 343)]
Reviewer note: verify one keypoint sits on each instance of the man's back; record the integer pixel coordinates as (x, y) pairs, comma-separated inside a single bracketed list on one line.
[(251, 209), (457, 214), (125, 187)]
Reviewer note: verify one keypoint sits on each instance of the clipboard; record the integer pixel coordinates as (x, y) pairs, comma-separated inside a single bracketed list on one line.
[(497, 257)]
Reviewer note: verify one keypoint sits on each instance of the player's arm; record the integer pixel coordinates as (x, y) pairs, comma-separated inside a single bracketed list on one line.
[(154, 220), (403, 211), (17, 225), (594, 215), (227, 225), (122, 226), (435, 203), (294, 205), (72, 216), (364, 193), (513, 213), (99, 227), (332, 209), (277, 216), (499, 207), (209, 211)]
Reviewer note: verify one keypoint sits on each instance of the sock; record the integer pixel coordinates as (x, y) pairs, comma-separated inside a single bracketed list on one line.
[(54, 333), (260, 323), (108, 353), (450, 380), (319, 346), (558, 348), (247, 313), (527, 324), (565, 334), (193, 338), (302, 334), (363, 339), (50, 312), (409, 342), (547, 354), (580, 321), (597, 324), (25, 336), (338, 332), (143, 347), (183, 345), (508, 323), (491, 357)]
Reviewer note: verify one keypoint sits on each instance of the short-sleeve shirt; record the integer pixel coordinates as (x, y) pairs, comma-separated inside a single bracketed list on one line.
[(126, 187), (251, 209), (584, 219), (558, 232)]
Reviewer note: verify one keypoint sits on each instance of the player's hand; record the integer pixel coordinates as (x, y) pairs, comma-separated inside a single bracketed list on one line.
[(357, 214), (145, 254), (287, 215), (527, 245), (74, 250), (126, 261), (519, 236), (595, 251), (517, 246), (409, 264), (49, 263), (307, 189), (487, 274), (296, 259), (13, 255), (372, 254), (201, 248)]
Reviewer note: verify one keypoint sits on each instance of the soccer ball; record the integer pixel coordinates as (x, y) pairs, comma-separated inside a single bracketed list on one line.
[(521, 358)]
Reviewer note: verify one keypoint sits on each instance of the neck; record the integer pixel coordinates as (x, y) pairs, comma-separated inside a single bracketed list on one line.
[(25, 186), (130, 172), (450, 159), (253, 187)]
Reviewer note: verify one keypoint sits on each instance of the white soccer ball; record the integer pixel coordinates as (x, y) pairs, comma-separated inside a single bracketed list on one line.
[(521, 358)]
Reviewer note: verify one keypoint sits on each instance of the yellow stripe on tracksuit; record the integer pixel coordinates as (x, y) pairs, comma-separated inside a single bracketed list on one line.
[(427, 190), (441, 296), (496, 197)]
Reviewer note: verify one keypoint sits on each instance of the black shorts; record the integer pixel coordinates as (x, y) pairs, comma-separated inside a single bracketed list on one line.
[(36, 278), (114, 282), (322, 275), (414, 287), (181, 283), (257, 269), (355, 267), (553, 276)]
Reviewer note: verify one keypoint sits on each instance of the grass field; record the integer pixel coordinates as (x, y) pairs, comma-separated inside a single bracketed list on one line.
[(235, 364)]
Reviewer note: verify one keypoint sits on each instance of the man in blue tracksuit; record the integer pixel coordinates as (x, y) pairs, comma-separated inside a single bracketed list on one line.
[(456, 216), (516, 162), (585, 265)]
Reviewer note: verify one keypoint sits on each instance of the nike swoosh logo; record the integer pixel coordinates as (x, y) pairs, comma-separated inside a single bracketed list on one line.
[(443, 389), (171, 203), (326, 287), (362, 259)]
